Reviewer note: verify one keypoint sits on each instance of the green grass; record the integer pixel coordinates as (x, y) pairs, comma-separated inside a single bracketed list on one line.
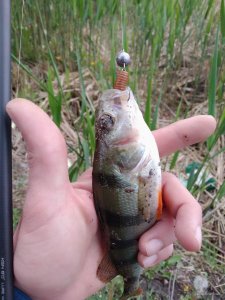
[(75, 35), (16, 217)]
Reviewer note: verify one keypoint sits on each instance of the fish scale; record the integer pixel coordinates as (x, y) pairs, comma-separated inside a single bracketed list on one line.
[(126, 182)]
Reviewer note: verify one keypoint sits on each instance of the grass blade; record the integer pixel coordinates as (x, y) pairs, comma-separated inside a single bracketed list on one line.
[(220, 130), (54, 101), (222, 19), (213, 82), (176, 154), (30, 73), (148, 105), (174, 160), (85, 147)]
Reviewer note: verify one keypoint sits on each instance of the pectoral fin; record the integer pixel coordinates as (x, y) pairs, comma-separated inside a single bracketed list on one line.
[(106, 270), (160, 204)]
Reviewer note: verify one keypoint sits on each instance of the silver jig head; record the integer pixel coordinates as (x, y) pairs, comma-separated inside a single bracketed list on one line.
[(123, 59)]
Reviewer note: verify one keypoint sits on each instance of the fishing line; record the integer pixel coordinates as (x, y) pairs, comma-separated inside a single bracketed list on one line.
[(123, 58), (20, 50), (121, 22)]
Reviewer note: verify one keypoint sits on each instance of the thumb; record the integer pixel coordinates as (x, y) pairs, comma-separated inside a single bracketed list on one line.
[(47, 155)]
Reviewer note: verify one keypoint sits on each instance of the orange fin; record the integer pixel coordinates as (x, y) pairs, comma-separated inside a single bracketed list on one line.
[(160, 205), (106, 270)]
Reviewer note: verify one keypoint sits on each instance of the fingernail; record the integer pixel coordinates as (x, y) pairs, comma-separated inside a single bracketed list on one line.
[(149, 261), (154, 246), (198, 236)]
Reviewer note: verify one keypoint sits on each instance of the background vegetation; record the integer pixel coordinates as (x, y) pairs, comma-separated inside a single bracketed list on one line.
[(64, 56)]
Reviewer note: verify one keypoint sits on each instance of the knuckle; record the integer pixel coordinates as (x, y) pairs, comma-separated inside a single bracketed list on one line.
[(166, 252)]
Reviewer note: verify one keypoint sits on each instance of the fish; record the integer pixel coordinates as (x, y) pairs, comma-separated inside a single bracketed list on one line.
[(126, 181)]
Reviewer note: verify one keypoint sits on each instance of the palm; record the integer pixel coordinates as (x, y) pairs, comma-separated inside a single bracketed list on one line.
[(57, 246), (65, 236)]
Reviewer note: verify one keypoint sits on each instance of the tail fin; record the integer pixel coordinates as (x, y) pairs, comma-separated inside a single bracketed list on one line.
[(131, 288)]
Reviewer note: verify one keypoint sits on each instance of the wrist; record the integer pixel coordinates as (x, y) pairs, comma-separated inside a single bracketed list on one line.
[(20, 295)]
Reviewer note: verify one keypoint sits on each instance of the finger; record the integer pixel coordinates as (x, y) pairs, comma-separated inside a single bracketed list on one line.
[(185, 210), (150, 261), (184, 133), (158, 237), (46, 147), (85, 176), (84, 181)]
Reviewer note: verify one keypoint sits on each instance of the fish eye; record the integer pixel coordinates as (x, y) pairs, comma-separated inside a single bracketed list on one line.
[(106, 122)]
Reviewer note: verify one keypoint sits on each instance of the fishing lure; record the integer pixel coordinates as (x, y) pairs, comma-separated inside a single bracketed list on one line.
[(126, 180)]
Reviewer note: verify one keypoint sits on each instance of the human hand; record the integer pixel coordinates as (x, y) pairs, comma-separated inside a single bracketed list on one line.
[(57, 245)]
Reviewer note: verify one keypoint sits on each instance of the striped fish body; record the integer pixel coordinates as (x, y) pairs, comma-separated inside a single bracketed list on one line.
[(126, 181)]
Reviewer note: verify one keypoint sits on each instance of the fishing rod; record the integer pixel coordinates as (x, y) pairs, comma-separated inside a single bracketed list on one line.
[(6, 227)]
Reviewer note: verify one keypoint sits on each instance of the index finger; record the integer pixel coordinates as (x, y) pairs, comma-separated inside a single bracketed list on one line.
[(184, 133)]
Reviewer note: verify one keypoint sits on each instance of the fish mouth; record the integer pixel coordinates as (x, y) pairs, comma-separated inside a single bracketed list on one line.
[(126, 140)]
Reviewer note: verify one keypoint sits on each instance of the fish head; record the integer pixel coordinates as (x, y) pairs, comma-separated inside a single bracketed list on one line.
[(118, 118)]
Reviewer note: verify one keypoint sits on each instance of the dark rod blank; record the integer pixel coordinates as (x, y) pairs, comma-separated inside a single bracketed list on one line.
[(6, 230)]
